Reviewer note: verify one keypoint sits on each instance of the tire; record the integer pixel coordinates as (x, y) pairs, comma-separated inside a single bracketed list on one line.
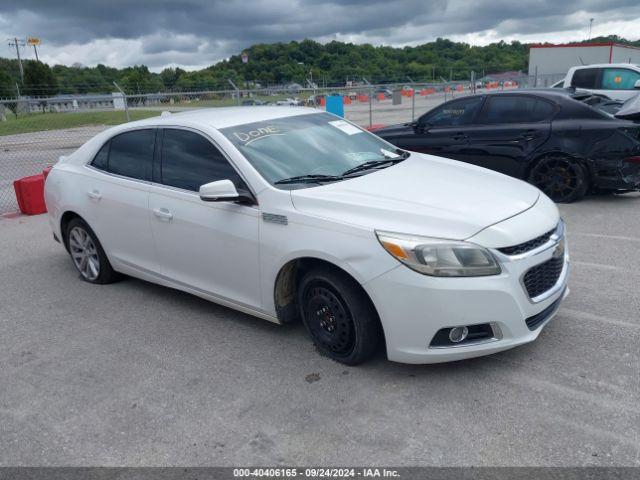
[(560, 178), (339, 316), (87, 254)]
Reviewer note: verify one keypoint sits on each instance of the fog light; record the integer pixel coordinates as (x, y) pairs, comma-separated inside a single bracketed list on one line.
[(458, 334)]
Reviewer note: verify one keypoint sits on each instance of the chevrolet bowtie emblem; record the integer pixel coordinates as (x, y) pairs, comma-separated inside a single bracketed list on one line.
[(559, 250)]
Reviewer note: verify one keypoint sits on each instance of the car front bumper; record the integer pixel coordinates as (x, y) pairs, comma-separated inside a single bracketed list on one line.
[(414, 307)]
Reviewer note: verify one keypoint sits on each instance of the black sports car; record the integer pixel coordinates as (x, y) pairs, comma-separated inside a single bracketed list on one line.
[(560, 141)]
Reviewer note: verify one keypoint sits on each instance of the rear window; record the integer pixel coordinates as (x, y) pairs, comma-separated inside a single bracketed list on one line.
[(129, 154), (585, 78), (516, 109)]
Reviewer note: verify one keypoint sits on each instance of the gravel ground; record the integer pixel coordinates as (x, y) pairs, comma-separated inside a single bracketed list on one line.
[(136, 374)]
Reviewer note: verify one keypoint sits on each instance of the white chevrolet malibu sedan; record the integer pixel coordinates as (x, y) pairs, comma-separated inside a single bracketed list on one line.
[(291, 213)]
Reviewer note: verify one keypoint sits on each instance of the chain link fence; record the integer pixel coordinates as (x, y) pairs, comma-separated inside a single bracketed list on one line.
[(35, 132)]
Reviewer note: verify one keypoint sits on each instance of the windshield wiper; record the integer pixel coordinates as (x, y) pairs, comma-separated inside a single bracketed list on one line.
[(313, 178), (373, 164)]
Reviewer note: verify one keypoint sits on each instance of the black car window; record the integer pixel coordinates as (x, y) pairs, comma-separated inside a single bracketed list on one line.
[(458, 112), (102, 157), (585, 78), (516, 109), (131, 154), (189, 161)]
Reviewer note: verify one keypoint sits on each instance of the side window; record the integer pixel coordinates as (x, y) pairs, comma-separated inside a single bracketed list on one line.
[(516, 109), (619, 79), (585, 78), (459, 112), (189, 160), (101, 158), (131, 154)]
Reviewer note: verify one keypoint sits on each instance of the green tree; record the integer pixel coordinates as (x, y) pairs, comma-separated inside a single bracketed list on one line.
[(39, 79)]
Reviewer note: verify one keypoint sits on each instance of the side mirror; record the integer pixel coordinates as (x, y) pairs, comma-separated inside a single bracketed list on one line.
[(637, 84), (223, 191), (420, 127)]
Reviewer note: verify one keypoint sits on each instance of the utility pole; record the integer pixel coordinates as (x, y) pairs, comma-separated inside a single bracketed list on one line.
[(590, 25), (18, 43)]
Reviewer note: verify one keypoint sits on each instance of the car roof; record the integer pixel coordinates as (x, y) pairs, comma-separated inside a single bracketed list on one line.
[(224, 116), (607, 65), (551, 93)]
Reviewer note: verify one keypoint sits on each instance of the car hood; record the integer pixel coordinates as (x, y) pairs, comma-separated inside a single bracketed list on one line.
[(423, 195), (630, 109)]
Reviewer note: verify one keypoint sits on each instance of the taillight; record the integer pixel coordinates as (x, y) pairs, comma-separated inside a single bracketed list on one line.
[(634, 159)]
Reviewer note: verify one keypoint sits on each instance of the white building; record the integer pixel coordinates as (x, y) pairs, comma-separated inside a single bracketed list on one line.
[(548, 59)]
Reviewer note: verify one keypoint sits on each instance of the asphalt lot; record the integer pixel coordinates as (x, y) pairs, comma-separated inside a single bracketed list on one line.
[(137, 374)]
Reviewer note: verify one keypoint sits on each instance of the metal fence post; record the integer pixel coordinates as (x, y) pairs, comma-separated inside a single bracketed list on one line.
[(124, 97), (413, 104), (236, 89), (370, 100)]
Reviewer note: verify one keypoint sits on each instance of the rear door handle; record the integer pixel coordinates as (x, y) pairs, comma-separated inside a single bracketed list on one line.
[(163, 213), (94, 195), (459, 136)]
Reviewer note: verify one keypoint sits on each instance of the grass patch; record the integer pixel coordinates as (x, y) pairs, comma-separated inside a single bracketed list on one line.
[(37, 122)]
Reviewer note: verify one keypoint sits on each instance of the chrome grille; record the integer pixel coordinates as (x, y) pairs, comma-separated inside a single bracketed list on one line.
[(528, 245)]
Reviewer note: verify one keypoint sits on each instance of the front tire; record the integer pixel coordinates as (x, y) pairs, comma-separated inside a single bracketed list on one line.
[(562, 179), (87, 254), (339, 316)]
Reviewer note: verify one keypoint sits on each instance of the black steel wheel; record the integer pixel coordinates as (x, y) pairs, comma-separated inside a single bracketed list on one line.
[(560, 178), (338, 316), (328, 319)]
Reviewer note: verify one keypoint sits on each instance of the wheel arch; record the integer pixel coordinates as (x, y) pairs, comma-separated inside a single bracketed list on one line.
[(288, 278), (583, 162), (65, 219)]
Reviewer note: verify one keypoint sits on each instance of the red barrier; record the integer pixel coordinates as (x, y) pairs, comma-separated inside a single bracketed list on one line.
[(381, 96), (447, 89), (346, 100), (30, 194), (363, 98), (323, 101), (459, 88)]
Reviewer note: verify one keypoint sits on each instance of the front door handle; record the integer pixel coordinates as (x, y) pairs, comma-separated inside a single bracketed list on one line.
[(529, 135), (163, 213), (94, 195)]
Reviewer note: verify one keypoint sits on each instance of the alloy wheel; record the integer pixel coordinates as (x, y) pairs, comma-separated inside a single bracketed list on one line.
[(558, 178), (84, 253)]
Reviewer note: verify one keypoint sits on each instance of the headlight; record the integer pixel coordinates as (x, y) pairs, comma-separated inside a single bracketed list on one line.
[(440, 258)]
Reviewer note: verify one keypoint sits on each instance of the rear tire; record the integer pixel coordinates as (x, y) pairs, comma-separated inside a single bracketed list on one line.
[(562, 179), (339, 316), (87, 253)]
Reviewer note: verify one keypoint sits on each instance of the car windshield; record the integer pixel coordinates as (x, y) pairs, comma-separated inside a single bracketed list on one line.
[(307, 150)]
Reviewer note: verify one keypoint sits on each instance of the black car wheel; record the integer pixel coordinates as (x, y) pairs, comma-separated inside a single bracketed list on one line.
[(338, 316), (87, 254), (560, 178)]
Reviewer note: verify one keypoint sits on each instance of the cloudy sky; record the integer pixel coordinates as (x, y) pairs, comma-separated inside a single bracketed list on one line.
[(196, 33)]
